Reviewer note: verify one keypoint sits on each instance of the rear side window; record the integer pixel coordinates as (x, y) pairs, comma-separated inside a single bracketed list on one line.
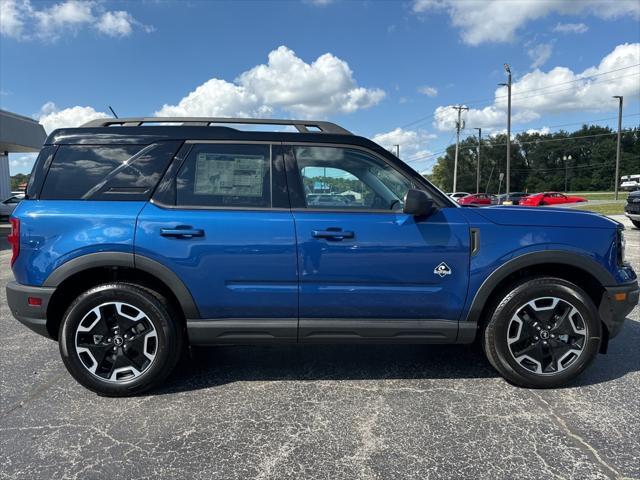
[(225, 175), (106, 172)]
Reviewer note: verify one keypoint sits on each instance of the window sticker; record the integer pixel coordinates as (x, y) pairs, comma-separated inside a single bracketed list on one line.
[(229, 175)]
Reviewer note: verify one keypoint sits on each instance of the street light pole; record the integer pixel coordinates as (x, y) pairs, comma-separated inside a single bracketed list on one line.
[(397, 150), (455, 159), (566, 159), (617, 179), (478, 166), (508, 85)]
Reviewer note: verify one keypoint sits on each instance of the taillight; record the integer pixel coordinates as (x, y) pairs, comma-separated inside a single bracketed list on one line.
[(14, 239)]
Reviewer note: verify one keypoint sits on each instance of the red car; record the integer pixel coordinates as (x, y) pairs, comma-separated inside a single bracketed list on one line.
[(549, 198), (475, 199)]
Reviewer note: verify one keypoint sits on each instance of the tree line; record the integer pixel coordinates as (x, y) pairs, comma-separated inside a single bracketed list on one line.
[(537, 161)]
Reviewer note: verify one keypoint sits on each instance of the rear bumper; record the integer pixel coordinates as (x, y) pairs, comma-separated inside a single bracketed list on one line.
[(34, 317), (617, 302)]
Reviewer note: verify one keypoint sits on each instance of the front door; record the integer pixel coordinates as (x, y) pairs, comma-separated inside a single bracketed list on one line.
[(222, 223), (367, 270)]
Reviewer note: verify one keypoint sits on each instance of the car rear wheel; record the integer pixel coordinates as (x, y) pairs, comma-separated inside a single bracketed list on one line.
[(119, 339), (543, 334)]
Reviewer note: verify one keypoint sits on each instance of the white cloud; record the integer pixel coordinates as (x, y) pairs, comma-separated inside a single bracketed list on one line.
[(320, 3), (51, 118), (539, 54), (413, 146), (21, 163), (17, 17), (116, 24), (286, 83), (428, 91), (570, 28), (11, 18), (539, 131), (560, 90), (498, 21)]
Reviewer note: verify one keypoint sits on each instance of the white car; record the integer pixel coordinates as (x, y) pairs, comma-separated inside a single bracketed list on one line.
[(7, 207), (457, 195)]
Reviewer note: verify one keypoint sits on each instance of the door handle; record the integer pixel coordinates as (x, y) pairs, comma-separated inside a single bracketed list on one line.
[(332, 234), (182, 232)]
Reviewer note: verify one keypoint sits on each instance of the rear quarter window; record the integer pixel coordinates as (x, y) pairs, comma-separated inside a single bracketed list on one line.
[(106, 172)]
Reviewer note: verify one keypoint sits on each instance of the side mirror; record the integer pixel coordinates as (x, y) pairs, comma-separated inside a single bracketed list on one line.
[(417, 203)]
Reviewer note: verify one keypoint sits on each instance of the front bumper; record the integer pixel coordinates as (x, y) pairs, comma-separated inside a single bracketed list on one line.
[(617, 302), (34, 317)]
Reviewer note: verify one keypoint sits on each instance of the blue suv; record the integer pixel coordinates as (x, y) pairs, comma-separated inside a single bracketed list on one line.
[(141, 236)]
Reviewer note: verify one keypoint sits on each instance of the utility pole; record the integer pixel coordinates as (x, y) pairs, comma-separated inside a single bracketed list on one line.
[(478, 155), (617, 179), (508, 85), (397, 150), (566, 159), (459, 108)]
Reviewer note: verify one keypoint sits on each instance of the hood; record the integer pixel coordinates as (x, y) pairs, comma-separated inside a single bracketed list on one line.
[(545, 217)]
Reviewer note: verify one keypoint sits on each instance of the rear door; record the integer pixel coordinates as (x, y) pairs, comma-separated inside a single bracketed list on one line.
[(368, 271), (221, 221)]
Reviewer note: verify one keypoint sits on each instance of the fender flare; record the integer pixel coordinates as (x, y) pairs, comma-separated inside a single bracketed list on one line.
[(531, 259), (129, 260)]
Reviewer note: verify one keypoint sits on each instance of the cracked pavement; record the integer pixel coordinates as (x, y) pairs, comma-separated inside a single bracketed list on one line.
[(328, 412)]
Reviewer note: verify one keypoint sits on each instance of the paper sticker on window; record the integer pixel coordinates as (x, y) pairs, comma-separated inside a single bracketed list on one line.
[(229, 175)]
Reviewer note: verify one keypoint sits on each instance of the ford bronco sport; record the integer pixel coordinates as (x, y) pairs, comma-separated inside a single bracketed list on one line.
[(141, 236)]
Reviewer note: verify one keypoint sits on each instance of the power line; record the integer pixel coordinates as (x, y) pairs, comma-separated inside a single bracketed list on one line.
[(583, 122), (491, 100), (522, 143)]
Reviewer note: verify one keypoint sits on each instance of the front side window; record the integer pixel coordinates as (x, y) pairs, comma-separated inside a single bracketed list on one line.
[(225, 175), (345, 178)]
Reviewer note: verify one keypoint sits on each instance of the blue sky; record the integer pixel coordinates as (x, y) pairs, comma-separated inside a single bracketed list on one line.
[(389, 70)]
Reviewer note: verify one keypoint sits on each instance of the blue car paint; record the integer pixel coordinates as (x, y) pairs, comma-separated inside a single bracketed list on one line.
[(244, 266), (248, 264), (387, 269), (51, 233)]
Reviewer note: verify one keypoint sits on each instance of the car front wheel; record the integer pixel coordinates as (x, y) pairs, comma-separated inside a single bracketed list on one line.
[(543, 333), (119, 339)]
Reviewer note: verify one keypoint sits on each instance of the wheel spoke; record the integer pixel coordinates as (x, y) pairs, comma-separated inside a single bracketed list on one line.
[(116, 341), (546, 335)]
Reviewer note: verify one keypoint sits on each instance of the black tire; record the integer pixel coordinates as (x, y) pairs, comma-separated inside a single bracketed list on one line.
[(522, 330), (636, 223), (159, 323)]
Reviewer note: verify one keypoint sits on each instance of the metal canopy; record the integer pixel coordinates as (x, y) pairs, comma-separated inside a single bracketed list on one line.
[(19, 133), (303, 126)]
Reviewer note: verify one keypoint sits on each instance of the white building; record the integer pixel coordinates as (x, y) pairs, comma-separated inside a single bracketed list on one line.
[(17, 134)]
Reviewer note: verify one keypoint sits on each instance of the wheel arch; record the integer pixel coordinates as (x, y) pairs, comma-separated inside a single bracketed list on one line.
[(81, 273), (578, 269)]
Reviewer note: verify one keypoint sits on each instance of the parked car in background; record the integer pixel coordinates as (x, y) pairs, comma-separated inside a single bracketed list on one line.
[(632, 208), (457, 195), (476, 199), (512, 199), (630, 183), (549, 198), (8, 206)]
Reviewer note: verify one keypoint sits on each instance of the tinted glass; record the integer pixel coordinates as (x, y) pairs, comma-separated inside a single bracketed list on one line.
[(75, 170), (224, 175), (343, 178), (122, 172)]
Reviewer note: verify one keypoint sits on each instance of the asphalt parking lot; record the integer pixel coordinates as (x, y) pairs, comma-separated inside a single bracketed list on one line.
[(320, 412)]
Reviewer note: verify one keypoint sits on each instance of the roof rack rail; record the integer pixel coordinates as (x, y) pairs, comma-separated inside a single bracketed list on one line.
[(303, 126)]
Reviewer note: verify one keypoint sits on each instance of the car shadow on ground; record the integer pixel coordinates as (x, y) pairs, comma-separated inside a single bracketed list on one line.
[(214, 366)]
